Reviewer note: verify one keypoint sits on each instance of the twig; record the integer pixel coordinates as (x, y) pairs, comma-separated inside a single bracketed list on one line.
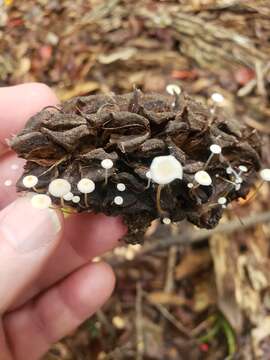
[(259, 81), (264, 128), (197, 235), (172, 256), (203, 234), (169, 282), (103, 319), (162, 309), (203, 325), (139, 324)]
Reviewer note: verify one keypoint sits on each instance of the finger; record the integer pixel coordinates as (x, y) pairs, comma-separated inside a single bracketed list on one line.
[(18, 103), (35, 327), (5, 351), (28, 237), (85, 237), (10, 170)]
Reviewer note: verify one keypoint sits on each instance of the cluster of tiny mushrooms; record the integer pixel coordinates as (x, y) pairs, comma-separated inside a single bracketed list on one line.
[(162, 171)]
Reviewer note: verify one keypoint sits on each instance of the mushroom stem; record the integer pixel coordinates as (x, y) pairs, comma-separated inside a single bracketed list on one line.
[(62, 202), (86, 200), (106, 177), (226, 180), (159, 188), (37, 190), (208, 161)]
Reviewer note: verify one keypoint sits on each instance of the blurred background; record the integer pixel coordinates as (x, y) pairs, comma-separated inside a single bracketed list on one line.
[(185, 294)]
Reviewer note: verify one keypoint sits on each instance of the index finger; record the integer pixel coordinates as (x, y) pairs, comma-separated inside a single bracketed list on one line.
[(18, 103)]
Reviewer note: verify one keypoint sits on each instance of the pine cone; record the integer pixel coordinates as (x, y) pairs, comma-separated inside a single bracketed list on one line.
[(114, 140)]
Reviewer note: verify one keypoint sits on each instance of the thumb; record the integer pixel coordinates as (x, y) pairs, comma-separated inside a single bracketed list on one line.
[(28, 236)]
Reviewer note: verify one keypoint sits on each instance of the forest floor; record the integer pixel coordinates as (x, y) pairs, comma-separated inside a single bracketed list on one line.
[(187, 293)]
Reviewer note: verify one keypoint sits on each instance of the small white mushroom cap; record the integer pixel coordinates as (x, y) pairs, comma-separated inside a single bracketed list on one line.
[(238, 180), (86, 186), (217, 97), (166, 221), (265, 174), (121, 187), (229, 170), (76, 199), (118, 200), (165, 169), (203, 178), (30, 181), (190, 185), (243, 168), (172, 89), (59, 187), (68, 196), (41, 201), (107, 164), (222, 200), (215, 149)]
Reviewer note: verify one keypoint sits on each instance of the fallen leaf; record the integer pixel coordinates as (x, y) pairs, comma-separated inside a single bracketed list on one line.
[(192, 263), (160, 297), (79, 89)]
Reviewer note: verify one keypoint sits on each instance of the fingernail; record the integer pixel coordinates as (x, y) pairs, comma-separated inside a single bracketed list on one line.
[(27, 228)]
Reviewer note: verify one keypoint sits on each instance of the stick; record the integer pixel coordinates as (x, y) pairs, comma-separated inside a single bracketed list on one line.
[(197, 236), (139, 324)]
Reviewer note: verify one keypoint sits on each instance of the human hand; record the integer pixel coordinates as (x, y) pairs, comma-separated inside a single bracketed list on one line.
[(48, 285)]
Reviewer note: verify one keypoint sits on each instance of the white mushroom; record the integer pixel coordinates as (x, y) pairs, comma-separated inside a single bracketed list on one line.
[(203, 178), (118, 200), (215, 149), (29, 181), (217, 97), (229, 170), (76, 199), (166, 221), (265, 174), (238, 180), (243, 168), (68, 196), (86, 186), (222, 200), (106, 164), (59, 187), (165, 169), (173, 89), (121, 187), (41, 201)]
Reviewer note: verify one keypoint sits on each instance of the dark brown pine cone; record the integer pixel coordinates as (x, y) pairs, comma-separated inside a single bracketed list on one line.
[(212, 160)]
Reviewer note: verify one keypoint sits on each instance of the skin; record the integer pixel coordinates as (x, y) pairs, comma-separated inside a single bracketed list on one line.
[(45, 292)]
